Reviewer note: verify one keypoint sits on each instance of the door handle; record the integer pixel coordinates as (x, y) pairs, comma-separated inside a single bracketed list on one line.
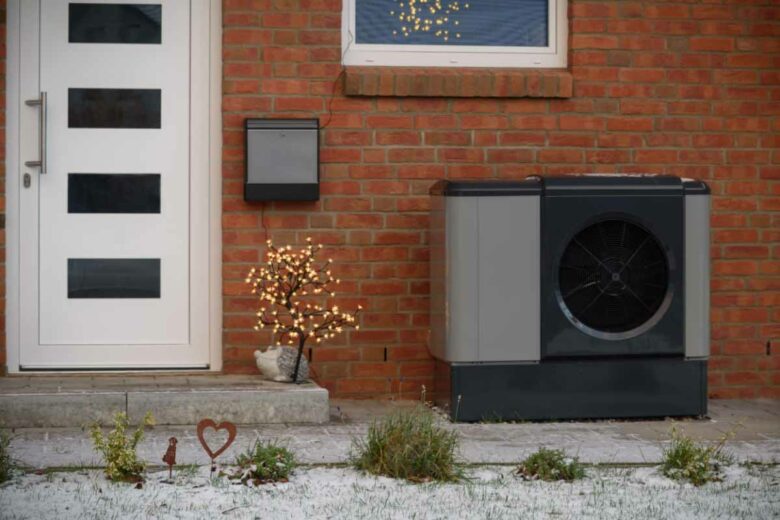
[(41, 103)]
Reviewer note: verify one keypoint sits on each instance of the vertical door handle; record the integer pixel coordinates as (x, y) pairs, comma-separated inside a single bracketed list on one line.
[(41, 104)]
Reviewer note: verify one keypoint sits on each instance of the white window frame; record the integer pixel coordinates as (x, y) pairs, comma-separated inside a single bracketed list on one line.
[(552, 56)]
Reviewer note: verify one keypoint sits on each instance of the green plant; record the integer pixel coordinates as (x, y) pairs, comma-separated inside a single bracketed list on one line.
[(687, 460), (264, 462), (550, 465), (409, 445), (122, 463), (6, 464)]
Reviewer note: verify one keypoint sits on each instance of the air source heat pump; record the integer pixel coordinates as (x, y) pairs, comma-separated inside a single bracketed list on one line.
[(570, 297)]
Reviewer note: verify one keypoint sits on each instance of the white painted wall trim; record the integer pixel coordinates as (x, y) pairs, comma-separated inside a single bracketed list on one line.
[(12, 172), (215, 178), (13, 178), (552, 56)]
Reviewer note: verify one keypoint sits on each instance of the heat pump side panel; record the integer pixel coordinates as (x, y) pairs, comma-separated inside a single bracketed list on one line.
[(697, 276), (509, 278), (462, 282)]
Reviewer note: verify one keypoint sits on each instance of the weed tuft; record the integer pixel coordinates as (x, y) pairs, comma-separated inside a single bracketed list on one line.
[(6, 464), (263, 463), (686, 460), (119, 451), (409, 445), (549, 465)]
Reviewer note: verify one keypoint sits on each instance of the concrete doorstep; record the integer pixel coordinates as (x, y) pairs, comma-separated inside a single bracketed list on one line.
[(75, 401)]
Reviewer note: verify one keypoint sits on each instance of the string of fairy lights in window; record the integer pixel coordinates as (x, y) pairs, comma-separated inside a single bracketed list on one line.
[(429, 16)]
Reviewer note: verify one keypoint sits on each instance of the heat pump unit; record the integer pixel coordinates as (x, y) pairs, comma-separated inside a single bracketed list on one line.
[(570, 297)]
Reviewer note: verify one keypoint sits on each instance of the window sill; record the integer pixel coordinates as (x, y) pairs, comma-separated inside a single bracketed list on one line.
[(426, 82)]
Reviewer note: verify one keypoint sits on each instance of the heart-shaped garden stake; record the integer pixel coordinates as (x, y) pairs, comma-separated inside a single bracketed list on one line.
[(224, 425)]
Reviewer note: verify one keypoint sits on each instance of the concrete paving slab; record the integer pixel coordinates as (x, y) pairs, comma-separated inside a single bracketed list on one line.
[(625, 442)]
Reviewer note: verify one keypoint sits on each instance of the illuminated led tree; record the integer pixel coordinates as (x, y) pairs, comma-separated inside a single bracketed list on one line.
[(289, 286)]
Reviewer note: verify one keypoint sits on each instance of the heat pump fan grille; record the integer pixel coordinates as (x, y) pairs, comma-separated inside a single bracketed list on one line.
[(613, 276)]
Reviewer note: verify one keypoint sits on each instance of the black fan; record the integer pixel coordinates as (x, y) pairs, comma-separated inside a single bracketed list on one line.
[(613, 276)]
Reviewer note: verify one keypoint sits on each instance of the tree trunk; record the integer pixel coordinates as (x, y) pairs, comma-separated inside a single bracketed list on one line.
[(301, 342)]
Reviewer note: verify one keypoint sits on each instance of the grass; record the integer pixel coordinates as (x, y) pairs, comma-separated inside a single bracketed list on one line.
[(265, 462), (549, 465), (409, 445), (119, 451), (6, 464), (687, 460)]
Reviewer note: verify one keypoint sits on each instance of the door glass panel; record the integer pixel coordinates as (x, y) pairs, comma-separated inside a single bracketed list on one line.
[(113, 193), (113, 108), (113, 277), (114, 23)]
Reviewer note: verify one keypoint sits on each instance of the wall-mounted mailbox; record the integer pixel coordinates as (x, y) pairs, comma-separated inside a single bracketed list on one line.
[(282, 160)]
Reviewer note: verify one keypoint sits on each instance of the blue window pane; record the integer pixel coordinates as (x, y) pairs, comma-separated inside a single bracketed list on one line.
[(511, 23)]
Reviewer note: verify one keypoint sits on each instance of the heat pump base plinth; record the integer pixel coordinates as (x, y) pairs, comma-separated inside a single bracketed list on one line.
[(568, 389)]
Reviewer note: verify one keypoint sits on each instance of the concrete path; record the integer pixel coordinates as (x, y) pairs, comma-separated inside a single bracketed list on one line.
[(756, 425)]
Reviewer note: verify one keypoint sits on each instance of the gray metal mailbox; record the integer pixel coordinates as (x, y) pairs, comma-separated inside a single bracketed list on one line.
[(282, 160)]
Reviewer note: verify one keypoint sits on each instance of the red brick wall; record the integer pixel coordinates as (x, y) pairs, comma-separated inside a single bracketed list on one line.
[(684, 88)]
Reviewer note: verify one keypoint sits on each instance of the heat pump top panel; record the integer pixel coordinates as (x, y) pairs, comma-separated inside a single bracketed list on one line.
[(528, 186)]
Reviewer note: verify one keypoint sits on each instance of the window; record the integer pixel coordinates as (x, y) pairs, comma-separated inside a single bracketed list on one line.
[(113, 193), (114, 23), (114, 107), (455, 33), (113, 278)]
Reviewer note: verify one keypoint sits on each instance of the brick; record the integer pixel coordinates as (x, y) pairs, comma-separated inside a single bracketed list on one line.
[(359, 220), (642, 107), (577, 122), (642, 75), (398, 138), (284, 20), (560, 156), (479, 121), (245, 36), (390, 121), (509, 156), (581, 41), (534, 122), (630, 124), (666, 11), (362, 386), (712, 44)]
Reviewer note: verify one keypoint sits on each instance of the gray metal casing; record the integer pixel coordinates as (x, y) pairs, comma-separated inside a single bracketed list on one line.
[(485, 278), (485, 272), (697, 274), (282, 159)]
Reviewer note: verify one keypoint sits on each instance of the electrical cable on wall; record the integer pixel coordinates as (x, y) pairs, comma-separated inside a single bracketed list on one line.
[(342, 72)]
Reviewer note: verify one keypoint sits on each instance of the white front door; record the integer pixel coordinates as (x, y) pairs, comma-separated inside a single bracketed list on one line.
[(114, 250)]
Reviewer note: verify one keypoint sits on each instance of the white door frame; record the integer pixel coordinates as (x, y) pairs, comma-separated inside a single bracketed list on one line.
[(210, 137)]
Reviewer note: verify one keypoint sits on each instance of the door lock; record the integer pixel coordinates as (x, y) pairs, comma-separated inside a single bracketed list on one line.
[(26, 181)]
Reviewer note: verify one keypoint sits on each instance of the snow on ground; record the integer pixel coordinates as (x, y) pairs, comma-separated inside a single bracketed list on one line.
[(321, 492)]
